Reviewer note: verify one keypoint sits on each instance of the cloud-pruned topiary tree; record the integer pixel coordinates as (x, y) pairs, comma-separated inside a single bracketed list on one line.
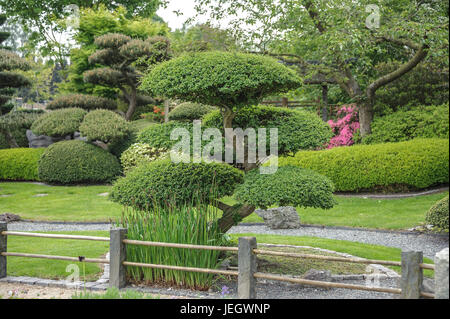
[(121, 59), (82, 101), (233, 82), (59, 123), (9, 80)]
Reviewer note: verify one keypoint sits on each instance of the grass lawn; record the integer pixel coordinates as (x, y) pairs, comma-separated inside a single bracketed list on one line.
[(369, 213), (55, 269), (63, 203), (367, 251)]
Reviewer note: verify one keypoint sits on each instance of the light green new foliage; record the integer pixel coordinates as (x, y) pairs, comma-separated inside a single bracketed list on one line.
[(190, 111), (139, 153)]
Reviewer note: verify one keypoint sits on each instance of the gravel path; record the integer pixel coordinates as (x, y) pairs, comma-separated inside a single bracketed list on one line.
[(429, 244)]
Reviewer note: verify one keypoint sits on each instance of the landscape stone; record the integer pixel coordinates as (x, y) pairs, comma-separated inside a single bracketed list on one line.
[(280, 218), (318, 275), (8, 218)]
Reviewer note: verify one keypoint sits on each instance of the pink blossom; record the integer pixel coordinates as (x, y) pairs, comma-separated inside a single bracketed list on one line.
[(345, 126)]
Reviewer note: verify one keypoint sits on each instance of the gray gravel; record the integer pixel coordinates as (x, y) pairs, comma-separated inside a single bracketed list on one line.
[(429, 244)]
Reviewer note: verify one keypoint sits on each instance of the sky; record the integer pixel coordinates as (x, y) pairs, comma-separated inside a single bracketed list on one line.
[(184, 6)]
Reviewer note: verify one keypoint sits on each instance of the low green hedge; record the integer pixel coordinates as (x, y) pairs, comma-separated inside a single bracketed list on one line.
[(415, 164), (75, 161), (438, 215), (158, 136), (163, 181), (20, 164), (83, 101), (423, 121)]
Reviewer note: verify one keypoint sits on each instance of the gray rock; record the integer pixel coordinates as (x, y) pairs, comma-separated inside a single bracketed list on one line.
[(280, 217), (318, 275), (428, 285), (35, 141), (8, 217)]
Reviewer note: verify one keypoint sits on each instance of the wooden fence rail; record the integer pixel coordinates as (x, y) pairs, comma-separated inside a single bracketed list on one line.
[(411, 280)]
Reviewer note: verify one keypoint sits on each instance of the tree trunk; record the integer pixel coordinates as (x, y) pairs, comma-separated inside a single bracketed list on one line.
[(132, 104), (234, 214), (365, 117)]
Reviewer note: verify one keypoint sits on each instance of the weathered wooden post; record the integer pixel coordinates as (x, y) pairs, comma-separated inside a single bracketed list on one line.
[(117, 255), (412, 274), (247, 267), (3, 249), (441, 273), (284, 102)]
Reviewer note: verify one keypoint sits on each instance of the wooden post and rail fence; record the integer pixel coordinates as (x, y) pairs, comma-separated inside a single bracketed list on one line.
[(411, 264)]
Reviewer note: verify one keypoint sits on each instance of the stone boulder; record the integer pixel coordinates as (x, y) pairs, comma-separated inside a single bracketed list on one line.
[(8, 218), (280, 218), (36, 141), (318, 275)]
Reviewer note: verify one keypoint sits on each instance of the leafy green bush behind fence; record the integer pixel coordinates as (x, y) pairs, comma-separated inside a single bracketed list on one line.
[(438, 215), (20, 164), (415, 164)]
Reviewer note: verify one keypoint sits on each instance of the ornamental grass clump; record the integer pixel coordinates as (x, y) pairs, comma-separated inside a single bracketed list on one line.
[(194, 223)]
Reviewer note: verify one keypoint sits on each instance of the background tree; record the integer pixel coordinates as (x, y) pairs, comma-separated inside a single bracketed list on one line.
[(42, 19), (123, 58), (343, 39)]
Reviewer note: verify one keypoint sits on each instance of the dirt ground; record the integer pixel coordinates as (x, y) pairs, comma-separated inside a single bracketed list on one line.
[(21, 291)]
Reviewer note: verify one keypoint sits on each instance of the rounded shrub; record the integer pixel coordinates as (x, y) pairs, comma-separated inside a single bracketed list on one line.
[(190, 111), (105, 126), (438, 215), (17, 123), (139, 153), (414, 164), (288, 186), (163, 181), (75, 161), (424, 121), (20, 164), (82, 101), (297, 130), (59, 123)]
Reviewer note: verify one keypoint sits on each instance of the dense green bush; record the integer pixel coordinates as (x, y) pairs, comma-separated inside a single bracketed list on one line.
[(297, 130), (20, 164), (74, 161), (438, 215), (158, 136), (227, 79), (157, 182), (59, 123), (288, 186), (190, 111), (415, 164), (105, 126), (424, 121), (139, 153), (82, 101)]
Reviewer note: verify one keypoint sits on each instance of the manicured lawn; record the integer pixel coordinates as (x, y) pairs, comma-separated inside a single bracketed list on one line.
[(367, 251), (369, 213), (63, 203), (55, 269)]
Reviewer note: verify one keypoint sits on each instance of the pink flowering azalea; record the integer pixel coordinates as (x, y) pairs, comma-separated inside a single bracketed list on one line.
[(345, 126)]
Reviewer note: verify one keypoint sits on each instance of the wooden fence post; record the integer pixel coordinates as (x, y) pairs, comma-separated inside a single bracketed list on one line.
[(247, 267), (3, 249), (412, 274), (441, 274), (117, 255)]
